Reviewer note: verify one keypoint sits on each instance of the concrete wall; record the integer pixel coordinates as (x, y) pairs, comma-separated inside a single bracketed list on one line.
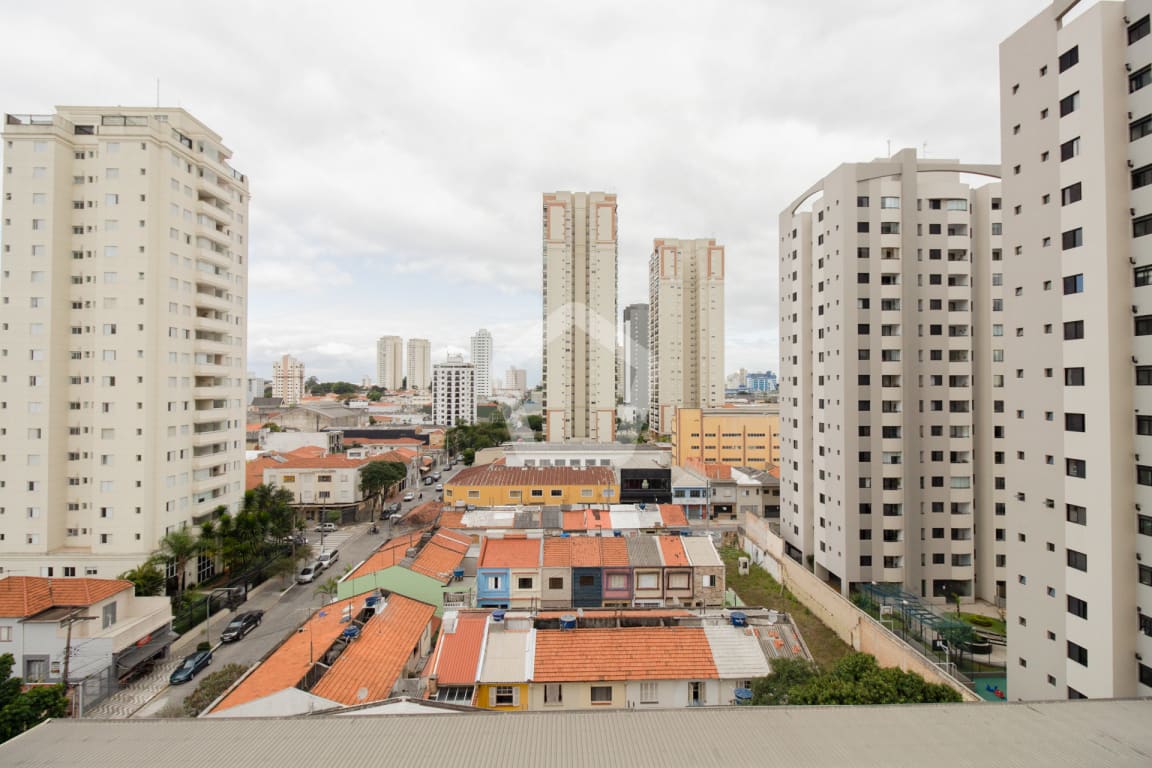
[(852, 625)]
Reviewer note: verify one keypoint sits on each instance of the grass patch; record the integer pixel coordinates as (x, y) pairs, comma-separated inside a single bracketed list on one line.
[(986, 623), (758, 588)]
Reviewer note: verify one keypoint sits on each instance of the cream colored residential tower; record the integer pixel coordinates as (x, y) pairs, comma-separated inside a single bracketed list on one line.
[(288, 379), (579, 368), (1076, 132), (686, 328), (877, 262), (419, 364), (123, 343), (481, 343), (390, 362)]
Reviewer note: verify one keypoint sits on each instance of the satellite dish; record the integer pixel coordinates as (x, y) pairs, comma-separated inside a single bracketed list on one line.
[(361, 694)]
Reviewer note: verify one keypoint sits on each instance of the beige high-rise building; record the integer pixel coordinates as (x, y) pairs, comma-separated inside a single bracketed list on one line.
[(482, 363), (877, 263), (516, 380), (419, 364), (288, 379), (453, 392), (686, 328), (1076, 132), (124, 336), (580, 316), (390, 362)]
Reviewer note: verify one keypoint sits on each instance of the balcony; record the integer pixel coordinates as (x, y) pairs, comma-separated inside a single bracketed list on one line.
[(208, 207)]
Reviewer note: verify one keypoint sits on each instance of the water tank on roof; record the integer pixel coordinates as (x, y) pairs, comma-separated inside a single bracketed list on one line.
[(568, 621), (739, 619), (498, 616), (458, 574), (743, 695)]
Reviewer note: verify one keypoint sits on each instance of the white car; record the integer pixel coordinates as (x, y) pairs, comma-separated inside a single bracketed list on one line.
[(439, 486), (326, 528), (325, 559), (409, 496)]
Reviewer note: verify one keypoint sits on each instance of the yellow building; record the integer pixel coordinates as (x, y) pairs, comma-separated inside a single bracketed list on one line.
[(496, 484), (747, 436)]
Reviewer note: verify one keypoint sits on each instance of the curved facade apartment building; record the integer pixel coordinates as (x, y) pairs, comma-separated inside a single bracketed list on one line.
[(124, 336), (881, 267)]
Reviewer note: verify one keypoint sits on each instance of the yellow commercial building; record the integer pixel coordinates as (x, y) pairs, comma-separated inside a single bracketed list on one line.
[(747, 436), (495, 485)]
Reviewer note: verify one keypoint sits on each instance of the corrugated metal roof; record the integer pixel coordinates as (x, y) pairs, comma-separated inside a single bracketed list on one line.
[(551, 518), (644, 552), (736, 651), (1051, 734), (701, 551)]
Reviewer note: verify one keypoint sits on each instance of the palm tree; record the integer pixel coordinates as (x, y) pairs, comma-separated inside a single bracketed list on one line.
[(177, 548), (329, 589)]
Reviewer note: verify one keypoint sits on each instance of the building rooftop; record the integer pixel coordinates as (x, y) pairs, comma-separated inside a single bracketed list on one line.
[(624, 653), (672, 551), (441, 555), (388, 555), (501, 475), (24, 596), (701, 551), (1050, 734), (557, 552), (586, 552), (456, 660), (510, 552), (369, 668)]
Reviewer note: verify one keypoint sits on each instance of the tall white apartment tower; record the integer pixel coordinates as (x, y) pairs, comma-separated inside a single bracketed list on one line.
[(636, 355), (580, 316), (685, 328), (877, 262), (124, 294), (453, 392), (1076, 133), (390, 362), (288, 379), (419, 363), (482, 363)]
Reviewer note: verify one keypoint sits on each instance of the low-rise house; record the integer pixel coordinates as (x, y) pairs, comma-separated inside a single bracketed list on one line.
[(647, 570), (707, 571), (678, 588), (617, 578), (453, 668), (757, 491), (556, 573), (505, 664), (497, 484), (508, 572), (587, 572), (329, 482), (114, 635), (690, 491)]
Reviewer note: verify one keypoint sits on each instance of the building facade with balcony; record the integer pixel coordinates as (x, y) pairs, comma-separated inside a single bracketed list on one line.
[(288, 380), (125, 307)]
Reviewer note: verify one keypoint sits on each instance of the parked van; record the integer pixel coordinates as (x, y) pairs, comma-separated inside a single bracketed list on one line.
[(308, 573), (327, 557)]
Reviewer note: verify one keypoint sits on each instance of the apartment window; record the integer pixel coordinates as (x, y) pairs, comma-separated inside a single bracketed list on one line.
[(1070, 149), (1139, 78), (1073, 377), (1069, 58), (1142, 276), (601, 694), (1142, 177), (1075, 468), (649, 692), (862, 201), (1069, 103), (1138, 129), (505, 696), (1077, 560), (1143, 325), (1144, 425), (1143, 474), (1142, 226), (553, 693), (1074, 513), (1077, 607), (1073, 238), (1073, 284), (1139, 30), (1078, 653), (1144, 525), (1144, 375), (1145, 575), (1074, 422), (862, 226), (1073, 329), (889, 227)]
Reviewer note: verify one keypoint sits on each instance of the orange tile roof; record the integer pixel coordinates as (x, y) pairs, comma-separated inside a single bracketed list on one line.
[(774, 471), (624, 653), (376, 659), (254, 471), (557, 552), (501, 475), (331, 461), (22, 596), (594, 613), (388, 555), (672, 551), (253, 427), (307, 451), (386, 441), (673, 514), (288, 664), (510, 552), (614, 552), (586, 552), (711, 470), (574, 520), (598, 519), (457, 656), (451, 518), (440, 557)]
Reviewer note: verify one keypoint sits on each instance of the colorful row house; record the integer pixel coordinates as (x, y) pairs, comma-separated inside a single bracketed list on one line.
[(525, 572)]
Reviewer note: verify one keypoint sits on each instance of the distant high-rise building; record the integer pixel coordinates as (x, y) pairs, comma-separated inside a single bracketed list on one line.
[(1075, 339), (579, 316), (453, 392), (686, 328), (761, 382), (516, 379), (636, 355), (482, 363), (288, 379), (255, 387), (884, 272), (390, 362), (419, 363), (124, 337)]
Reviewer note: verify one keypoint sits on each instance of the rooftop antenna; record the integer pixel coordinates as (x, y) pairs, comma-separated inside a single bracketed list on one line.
[(889, 147)]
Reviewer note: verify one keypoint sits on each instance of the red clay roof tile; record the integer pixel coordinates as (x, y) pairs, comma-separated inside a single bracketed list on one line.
[(457, 657), (672, 551), (22, 596), (625, 653)]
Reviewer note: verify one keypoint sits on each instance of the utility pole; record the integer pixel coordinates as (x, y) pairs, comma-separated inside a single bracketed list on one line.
[(67, 622)]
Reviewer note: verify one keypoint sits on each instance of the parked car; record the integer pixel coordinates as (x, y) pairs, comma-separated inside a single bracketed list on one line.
[(327, 557), (409, 496), (439, 486), (436, 476), (308, 573), (326, 527), (428, 481), (394, 507), (241, 626), (190, 667)]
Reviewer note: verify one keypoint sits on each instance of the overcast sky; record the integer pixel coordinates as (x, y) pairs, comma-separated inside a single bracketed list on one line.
[(397, 153)]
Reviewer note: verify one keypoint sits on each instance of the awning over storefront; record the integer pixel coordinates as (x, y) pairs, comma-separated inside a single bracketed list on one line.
[(144, 649)]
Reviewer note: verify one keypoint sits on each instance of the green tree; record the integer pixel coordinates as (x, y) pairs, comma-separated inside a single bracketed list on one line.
[(148, 579), (377, 479), (786, 674), (469, 456), (375, 393), (177, 549), (272, 426), (23, 709), (328, 588), (858, 679), (536, 423)]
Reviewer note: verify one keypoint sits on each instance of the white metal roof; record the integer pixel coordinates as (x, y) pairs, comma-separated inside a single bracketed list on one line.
[(736, 652)]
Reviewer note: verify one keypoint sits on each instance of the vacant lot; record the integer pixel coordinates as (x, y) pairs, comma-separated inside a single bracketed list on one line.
[(760, 589)]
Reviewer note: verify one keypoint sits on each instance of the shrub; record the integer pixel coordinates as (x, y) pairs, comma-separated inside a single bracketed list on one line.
[(211, 687), (204, 645)]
